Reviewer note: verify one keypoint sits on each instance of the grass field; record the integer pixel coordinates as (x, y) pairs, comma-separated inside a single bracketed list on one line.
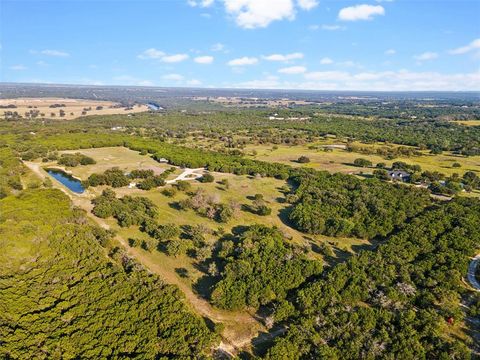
[(240, 189), (109, 157), (468, 122), (73, 107), (340, 160)]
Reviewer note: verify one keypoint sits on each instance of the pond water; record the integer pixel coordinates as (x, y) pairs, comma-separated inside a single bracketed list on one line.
[(69, 181)]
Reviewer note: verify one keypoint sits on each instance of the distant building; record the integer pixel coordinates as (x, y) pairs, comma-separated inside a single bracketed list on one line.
[(399, 175), (163, 160), (154, 107)]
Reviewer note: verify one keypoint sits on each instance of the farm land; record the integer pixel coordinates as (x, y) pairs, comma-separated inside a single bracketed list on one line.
[(59, 108)]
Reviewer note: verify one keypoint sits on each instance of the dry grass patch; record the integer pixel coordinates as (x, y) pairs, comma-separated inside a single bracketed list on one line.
[(109, 157), (73, 107), (339, 160)]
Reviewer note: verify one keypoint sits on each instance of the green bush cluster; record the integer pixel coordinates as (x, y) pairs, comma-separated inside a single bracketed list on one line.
[(394, 302), (258, 268), (73, 160), (61, 297)]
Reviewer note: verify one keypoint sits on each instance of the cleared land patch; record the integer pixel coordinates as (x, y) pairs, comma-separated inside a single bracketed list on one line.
[(108, 157), (72, 108), (341, 160)]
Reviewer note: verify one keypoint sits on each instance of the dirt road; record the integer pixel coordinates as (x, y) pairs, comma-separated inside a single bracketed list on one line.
[(472, 269)]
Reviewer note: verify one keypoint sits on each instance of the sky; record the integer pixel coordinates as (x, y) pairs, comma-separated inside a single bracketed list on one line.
[(385, 45)]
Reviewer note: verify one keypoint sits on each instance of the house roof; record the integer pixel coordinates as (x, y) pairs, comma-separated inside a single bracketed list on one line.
[(398, 173)]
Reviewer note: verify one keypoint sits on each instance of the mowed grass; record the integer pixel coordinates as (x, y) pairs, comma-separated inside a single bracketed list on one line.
[(109, 157), (340, 160)]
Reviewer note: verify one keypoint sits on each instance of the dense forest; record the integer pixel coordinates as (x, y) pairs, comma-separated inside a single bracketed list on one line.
[(259, 267), (394, 302), (64, 296), (340, 205)]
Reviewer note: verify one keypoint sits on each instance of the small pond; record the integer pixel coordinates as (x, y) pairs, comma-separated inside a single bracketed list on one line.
[(68, 180)]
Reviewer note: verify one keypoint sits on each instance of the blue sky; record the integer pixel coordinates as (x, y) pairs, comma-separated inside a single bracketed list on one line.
[(300, 44)]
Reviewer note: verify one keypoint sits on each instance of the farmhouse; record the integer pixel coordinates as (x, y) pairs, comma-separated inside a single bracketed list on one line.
[(399, 175)]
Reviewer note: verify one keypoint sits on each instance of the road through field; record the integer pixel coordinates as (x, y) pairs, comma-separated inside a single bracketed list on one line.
[(472, 269)]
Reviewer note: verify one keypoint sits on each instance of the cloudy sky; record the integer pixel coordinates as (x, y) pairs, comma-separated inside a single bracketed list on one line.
[(295, 44)]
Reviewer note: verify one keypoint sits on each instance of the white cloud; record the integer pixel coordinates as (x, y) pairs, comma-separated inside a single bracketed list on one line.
[(174, 58), (284, 58), (350, 63), (401, 80), (475, 44), (145, 83), (326, 61), (194, 82), (131, 80), (398, 80), (200, 3), (49, 52), (203, 59), (250, 14), (426, 56), (173, 77), (243, 61), (332, 27), (218, 47), (360, 12), (293, 70), (151, 53), (270, 82), (155, 54), (307, 4), (390, 52), (327, 75), (18, 67)]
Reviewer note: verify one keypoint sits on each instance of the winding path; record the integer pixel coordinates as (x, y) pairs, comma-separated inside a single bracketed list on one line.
[(188, 174), (472, 269)]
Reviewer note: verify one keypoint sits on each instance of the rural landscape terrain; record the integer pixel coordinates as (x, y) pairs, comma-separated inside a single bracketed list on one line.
[(239, 180), (314, 230)]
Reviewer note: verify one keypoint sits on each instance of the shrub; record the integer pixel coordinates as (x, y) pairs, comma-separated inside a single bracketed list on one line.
[(182, 185), (303, 159), (362, 162), (169, 192), (207, 178)]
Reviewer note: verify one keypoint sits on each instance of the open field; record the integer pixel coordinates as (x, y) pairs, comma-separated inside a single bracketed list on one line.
[(340, 160), (73, 107), (235, 101), (468, 122), (108, 157), (240, 187)]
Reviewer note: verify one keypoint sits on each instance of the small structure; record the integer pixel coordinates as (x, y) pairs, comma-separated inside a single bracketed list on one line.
[(132, 185), (399, 175), (163, 160)]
